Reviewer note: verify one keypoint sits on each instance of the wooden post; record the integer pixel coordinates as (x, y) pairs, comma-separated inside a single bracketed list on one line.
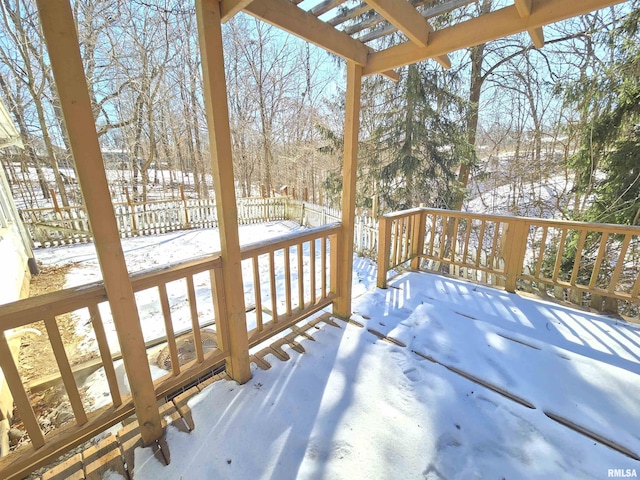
[(342, 306), (516, 243), (54, 199), (334, 263), (59, 30), (214, 85), (384, 246), (417, 239)]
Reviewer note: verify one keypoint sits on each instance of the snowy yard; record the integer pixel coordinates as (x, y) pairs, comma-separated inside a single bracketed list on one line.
[(355, 406)]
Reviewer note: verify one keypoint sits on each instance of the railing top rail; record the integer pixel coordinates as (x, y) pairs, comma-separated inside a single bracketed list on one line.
[(151, 278), (267, 246), (404, 213), (605, 227), (28, 310)]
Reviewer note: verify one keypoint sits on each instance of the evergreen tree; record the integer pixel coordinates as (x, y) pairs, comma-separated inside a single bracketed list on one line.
[(412, 139), (424, 141), (608, 161)]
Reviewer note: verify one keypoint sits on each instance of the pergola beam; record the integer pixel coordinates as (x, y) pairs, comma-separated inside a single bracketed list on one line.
[(404, 16), (485, 28), (287, 16)]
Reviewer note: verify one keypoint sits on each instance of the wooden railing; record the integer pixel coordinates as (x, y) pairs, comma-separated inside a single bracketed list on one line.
[(587, 263), (309, 285), (287, 280)]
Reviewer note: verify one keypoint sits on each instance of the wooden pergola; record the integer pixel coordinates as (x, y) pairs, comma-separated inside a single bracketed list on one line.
[(341, 35)]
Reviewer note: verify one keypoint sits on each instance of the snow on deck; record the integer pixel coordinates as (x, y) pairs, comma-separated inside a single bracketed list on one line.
[(356, 406)]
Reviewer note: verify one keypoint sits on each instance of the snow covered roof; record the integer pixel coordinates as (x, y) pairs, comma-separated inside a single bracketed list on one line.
[(8, 134)]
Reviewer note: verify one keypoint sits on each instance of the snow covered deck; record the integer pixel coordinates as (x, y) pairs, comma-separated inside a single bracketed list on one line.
[(401, 402)]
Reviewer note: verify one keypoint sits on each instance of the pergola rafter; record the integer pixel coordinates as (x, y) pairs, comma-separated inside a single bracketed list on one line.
[(389, 29), (536, 34)]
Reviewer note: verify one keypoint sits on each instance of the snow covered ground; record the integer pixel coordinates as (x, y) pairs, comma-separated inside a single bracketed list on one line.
[(540, 199), (355, 406)]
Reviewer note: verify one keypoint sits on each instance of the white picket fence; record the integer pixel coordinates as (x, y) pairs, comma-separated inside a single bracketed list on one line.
[(68, 225)]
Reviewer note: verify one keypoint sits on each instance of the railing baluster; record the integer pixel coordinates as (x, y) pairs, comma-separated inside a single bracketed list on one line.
[(396, 241), (443, 237), (636, 289), (596, 266), (576, 262), (494, 246), (312, 269), (65, 369), (334, 263), (480, 241), (168, 325), (300, 278), (287, 279), (433, 234), (323, 267), (195, 321), (20, 398), (257, 292), (105, 354), (618, 270), (556, 269), (406, 235), (272, 284), (467, 236), (454, 238), (543, 245)]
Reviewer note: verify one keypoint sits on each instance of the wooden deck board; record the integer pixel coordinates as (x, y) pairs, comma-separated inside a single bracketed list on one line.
[(70, 469), (103, 457)]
